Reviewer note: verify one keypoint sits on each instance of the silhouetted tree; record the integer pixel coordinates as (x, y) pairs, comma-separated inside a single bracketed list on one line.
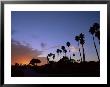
[(16, 64), (48, 58), (77, 38), (64, 60), (58, 51), (92, 32), (63, 48), (68, 45), (65, 51), (73, 54), (82, 41), (34, 62), (96, 27), (97, 34), (53, 56)]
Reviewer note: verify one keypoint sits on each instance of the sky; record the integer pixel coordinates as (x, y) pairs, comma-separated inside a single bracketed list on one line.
[(37, 33)]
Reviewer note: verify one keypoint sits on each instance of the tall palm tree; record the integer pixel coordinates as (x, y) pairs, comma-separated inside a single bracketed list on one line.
[(97, 34), (77, 38), (82, 41), (68, 45), (73, 54), (65, 51), (92, 32), (58, 51), (63, 48), (96, 27)]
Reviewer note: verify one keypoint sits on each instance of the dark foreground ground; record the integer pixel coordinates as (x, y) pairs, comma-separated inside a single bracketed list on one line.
[(87, 69)]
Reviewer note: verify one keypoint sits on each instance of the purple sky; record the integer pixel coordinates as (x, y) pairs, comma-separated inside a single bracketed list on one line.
[(47, 31)]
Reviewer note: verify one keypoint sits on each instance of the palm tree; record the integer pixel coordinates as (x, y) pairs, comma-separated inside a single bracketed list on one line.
[(73, 54), (50, 54), (96, 27), (63, 48), (97, 34), (77, 38), (82, 41), (53, 56), (58, 51), (68, 45), (48, 58), (65, 51), (92, 32)]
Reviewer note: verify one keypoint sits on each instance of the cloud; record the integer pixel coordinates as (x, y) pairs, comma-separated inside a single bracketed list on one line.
[(22, 53), (73, 49), (57, 46)]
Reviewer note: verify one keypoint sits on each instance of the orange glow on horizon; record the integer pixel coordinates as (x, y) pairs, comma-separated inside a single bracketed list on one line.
[(26, 60)]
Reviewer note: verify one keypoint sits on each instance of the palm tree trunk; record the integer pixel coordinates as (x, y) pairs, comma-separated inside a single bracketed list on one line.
[(79, 51), (70, 55), (83, 54), (65, 54), (96, 48)]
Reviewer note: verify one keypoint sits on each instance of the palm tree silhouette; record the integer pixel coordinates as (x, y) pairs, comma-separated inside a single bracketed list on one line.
[(77, 38), (58, 51), (92, 32), (68, 45), (47, 58), (82, 41), (63, 48), (73, 54), (53, 56), (97, 34), (96, 27), (65, 51)]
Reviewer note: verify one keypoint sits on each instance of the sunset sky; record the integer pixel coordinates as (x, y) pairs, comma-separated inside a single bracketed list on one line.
[(37, 33)]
